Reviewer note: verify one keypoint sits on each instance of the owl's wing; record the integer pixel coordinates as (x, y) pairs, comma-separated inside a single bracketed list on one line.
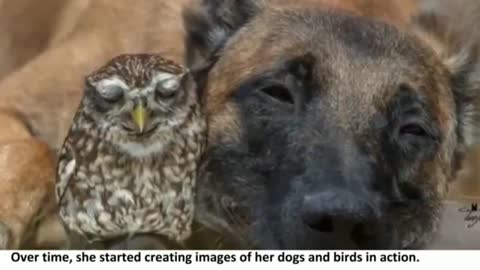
[(66, 170)]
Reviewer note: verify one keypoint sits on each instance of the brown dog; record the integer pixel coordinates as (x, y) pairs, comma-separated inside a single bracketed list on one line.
[(330, 130), (47, 49)]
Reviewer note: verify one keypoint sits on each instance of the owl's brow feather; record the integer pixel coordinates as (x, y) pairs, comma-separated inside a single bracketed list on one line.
[(137, 69)]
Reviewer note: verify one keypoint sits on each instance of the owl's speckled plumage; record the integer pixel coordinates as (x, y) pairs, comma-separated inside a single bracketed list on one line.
[(130, 160)]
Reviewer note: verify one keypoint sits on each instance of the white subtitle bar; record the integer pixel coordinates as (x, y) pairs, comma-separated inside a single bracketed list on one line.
[(211, 260)]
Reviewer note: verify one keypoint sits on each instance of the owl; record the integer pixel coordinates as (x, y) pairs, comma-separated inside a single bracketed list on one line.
[(129, 163)]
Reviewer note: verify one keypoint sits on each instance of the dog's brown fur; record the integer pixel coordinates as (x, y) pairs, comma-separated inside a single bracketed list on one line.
[(46, 50), (446, 39), (396, 12)]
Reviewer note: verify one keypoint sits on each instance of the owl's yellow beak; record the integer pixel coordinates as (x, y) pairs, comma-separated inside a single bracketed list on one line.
[(139, 116)]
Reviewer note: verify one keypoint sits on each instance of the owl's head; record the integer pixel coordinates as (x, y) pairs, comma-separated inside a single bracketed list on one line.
[(136, 96)]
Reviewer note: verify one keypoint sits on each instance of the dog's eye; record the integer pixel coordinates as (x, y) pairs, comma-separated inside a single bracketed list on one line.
[(279, 93), (412, 129)]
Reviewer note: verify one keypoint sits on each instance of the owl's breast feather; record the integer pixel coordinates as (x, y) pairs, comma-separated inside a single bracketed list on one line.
[(118, 196)]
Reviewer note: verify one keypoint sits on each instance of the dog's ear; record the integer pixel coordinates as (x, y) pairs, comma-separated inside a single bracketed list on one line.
[(210, 23), (450, 29)]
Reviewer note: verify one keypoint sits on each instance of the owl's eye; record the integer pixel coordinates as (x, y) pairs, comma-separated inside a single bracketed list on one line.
[(167, 89), (111, 93)]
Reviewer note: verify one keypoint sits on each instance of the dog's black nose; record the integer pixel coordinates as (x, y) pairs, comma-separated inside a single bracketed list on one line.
[(342, 215)]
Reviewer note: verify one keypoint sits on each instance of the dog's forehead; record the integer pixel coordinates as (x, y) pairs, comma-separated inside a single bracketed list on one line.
[(359, 63), (343, 44), (286, 33)]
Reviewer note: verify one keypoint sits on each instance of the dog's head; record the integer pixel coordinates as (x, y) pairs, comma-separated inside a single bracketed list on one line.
[(328, 130)]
